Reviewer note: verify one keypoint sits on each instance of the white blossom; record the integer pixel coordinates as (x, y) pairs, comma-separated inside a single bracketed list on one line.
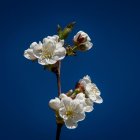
[(82, 40), (91, 90), (51, 51), (71, 111), (48, 52)]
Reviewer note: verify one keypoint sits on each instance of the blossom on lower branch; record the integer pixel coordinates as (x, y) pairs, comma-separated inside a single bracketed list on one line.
[(90, 89), (72, 106), (70, 110)]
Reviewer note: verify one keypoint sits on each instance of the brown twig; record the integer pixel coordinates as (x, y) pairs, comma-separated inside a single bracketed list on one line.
[(58, 77), (57, 72)]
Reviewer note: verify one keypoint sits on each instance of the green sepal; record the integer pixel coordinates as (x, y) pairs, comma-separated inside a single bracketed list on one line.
[(70, 51)]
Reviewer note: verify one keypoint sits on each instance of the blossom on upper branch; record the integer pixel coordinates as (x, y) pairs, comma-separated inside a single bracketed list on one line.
[(48, 52)]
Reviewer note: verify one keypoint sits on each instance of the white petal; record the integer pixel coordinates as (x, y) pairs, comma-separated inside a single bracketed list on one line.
[(54, 37), (98, 100), (62, 113), (76, 36), (66, 102), (79, 117), (89, 102), (88, 108), (77, 106), (37, 50), (42, 61), (55, 103), (86, 80), (59, 53), (46, 61), (29, 54), (92, 96), (91, 87), (33, 45), (60, 44), (62, 95), (80, 96), (70, 124), (88, 45), (50, 61)]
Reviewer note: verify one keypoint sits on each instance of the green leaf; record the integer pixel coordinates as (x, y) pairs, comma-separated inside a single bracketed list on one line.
[(64, 34), (59, 29)]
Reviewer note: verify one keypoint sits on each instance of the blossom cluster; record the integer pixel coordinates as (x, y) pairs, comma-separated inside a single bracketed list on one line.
[(70, 108), (52, 49)]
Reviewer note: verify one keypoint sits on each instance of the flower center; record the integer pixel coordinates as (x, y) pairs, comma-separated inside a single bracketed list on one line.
[(69, 113), (47, 51)]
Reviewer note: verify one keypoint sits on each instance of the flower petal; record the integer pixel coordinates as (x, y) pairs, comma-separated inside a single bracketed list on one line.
[(86, 79), (60, 44), (37, 50), (55, 103), (70, 124), (92, 96), (66, 102), (77, 106), (88, 108), (29, 54), (54, 37), (42, 61), (98, 100), (80, 96), (88, 45), (33, 45), (59, 53), (46, 61), (79, 117), (62, 113), (62, 95)]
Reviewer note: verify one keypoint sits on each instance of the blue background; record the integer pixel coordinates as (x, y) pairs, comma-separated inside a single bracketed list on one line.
[(113, 64)]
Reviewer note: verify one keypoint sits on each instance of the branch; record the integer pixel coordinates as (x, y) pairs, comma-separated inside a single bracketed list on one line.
[(59, 125), (58, 132), (58, 77)]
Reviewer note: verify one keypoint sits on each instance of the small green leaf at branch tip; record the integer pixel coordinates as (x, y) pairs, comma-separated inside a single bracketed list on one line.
[(59, 29), (64, 34), (71, 25)]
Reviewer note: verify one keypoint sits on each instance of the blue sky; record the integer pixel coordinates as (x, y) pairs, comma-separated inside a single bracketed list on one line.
[(113, 64)]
